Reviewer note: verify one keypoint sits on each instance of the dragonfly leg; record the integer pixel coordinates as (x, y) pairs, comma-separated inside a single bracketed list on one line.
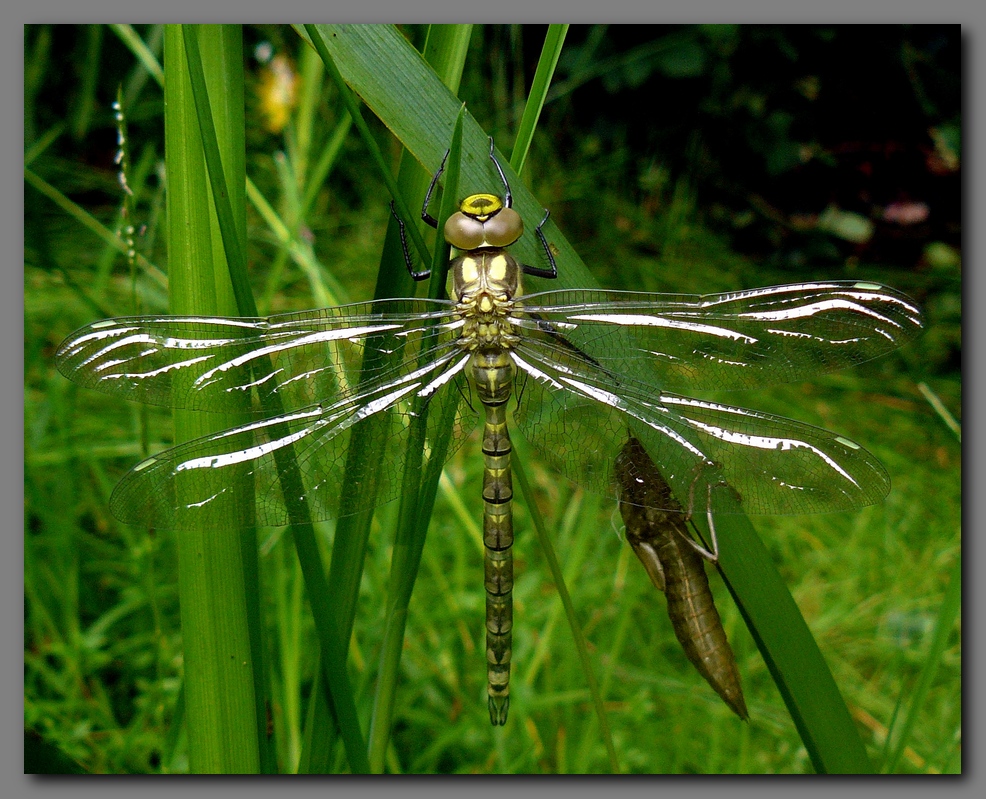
[(534, 271), (552, 271), (401, 229), (428, 218), (507, 196), (713, 556)]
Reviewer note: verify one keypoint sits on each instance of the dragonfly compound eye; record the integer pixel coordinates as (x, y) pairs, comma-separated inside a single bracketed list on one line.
[(463, 232), (503, 229), (468, 233)]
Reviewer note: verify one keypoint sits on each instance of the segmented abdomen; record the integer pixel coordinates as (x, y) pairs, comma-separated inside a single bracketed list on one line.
[(492, 374), (657, 534)]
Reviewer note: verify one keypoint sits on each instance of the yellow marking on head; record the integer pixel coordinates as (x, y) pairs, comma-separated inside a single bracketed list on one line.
[(481, 205)]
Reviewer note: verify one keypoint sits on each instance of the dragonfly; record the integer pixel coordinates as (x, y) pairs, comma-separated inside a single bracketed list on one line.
[(582, 371)]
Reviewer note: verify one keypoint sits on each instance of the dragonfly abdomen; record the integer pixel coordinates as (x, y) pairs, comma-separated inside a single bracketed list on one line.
[(492, 375), (696, 621)]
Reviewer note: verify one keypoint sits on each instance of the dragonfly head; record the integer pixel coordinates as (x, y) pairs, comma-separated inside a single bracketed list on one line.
[(483, 221)]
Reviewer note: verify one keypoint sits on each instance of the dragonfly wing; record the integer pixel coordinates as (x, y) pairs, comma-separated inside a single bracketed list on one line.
[(741, 339), (778, 465), (198, 363), (579, 417), (324, 461)]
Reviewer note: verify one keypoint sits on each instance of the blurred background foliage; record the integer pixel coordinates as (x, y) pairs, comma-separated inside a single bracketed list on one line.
[(676, 158)]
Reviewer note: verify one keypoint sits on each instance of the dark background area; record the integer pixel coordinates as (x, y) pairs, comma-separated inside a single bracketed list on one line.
[(774, 124)]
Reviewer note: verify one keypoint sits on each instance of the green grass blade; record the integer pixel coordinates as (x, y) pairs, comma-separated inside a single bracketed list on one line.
[(352, 531), (446, 48), (354, 112), (141, 51), (336, 598), (550, 53), (326, 160), (787, 645), (394, 82), (325, 289), (219, 108), (88, 221), (404, 107), (532, 110), (417, 499), (939, 407), (302, 130), (333, 656), (221, 702), (949, 612), (85, 100), (441, 256), (232, 226), (581, 646), (951, 607)]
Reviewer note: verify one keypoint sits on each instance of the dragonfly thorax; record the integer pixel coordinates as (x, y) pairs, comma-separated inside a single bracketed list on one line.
[(484, 283)]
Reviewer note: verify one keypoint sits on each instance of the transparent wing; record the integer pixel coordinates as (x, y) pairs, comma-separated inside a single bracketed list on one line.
[(593, 366), (579, 417), (198, 363), (741, 339), (360, 442)]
